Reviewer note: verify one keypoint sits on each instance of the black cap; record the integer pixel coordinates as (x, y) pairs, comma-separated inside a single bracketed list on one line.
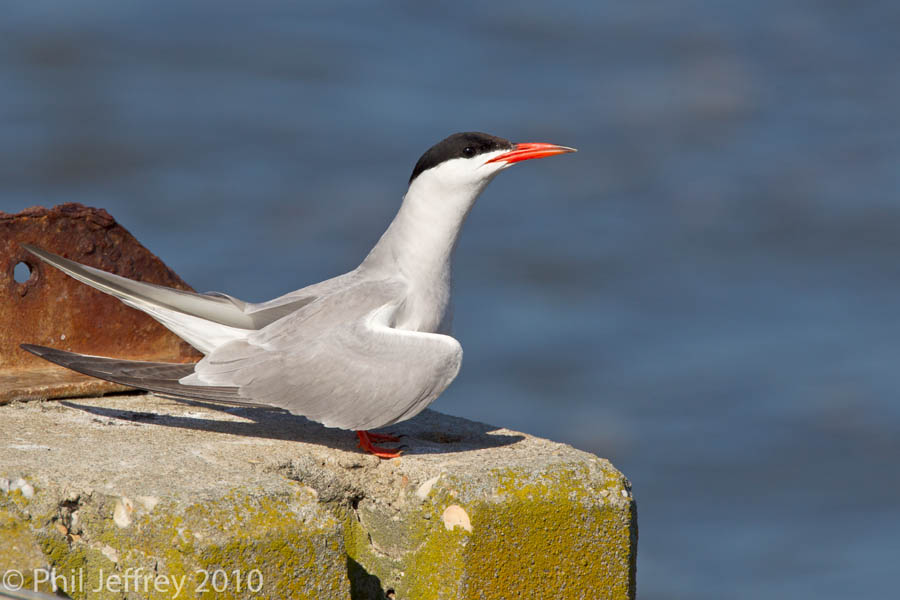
[(459, 145)]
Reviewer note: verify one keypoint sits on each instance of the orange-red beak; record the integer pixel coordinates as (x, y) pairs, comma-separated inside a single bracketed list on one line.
[(531, 150)]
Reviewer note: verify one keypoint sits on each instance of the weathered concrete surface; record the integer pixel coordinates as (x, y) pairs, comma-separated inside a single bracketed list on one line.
[(141, 486)]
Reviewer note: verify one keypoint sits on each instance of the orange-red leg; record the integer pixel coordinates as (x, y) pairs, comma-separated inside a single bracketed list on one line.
[(382, 437), (365, 442)]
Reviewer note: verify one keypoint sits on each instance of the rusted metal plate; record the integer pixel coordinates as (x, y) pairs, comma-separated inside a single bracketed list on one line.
[(49, 308)]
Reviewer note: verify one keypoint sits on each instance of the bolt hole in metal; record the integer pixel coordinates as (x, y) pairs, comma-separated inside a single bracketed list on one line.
[(22, 272)]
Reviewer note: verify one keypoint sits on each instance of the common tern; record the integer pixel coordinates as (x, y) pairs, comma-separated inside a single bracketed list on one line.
[(360, 351)]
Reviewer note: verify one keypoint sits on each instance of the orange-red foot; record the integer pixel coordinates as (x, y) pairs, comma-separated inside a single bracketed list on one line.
[(365, 442)]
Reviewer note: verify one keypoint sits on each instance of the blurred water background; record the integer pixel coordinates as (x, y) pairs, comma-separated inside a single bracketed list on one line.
[(708, 293)]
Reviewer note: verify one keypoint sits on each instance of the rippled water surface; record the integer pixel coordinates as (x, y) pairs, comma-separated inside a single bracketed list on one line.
[(708, 293)]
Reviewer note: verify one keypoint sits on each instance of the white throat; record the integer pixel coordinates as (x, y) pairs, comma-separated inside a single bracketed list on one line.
[(418, 245)]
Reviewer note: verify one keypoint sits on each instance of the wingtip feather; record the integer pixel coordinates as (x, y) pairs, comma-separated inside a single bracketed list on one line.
[(34, 349), (36, 250)]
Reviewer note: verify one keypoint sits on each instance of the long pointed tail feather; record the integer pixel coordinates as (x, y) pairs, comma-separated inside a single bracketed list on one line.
[(205, 321), (218, 308)]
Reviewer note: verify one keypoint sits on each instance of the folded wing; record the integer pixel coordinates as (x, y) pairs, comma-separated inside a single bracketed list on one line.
[(338, 361)]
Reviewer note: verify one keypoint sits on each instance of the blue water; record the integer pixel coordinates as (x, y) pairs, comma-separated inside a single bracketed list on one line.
[(708, 293)]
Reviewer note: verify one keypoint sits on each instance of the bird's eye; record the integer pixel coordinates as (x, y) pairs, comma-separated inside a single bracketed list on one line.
[(468, 151)]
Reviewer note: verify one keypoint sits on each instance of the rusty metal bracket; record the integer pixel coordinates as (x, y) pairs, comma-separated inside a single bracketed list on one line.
[(41, 305)]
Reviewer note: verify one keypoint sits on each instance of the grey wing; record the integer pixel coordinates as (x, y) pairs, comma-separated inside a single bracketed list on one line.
[(338, 361)]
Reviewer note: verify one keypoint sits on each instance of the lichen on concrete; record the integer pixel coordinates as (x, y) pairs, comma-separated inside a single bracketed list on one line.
[(538, 533), (182, 491)]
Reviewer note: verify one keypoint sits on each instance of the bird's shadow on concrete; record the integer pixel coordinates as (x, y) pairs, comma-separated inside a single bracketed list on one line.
[(430, 432)]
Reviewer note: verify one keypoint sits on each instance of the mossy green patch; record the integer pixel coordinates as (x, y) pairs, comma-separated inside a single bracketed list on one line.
[(282, 546), (19, 549), (222, 550), (560, 533), (547, 548)]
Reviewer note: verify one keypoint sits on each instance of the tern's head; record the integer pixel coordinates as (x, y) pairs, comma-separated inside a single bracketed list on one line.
[(443, 188), (468, 161)]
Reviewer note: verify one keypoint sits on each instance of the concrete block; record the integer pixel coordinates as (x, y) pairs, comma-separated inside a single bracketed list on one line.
[(140, 496)]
